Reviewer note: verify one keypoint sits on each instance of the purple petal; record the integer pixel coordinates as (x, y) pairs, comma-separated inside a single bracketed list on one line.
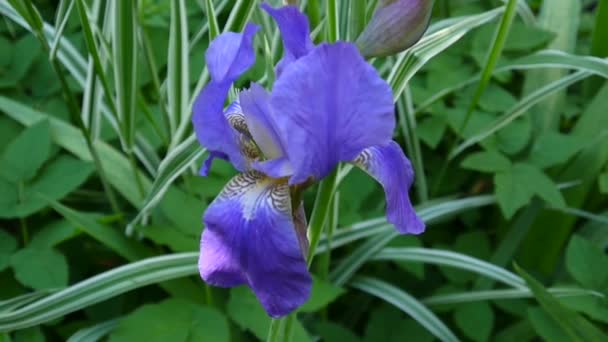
[(295, 32), (332, 105), (228, 56), (255, 104), (388, 165), (250, 238), (204, 171)]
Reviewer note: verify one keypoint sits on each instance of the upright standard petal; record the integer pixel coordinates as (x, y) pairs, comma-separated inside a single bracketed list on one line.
[(250, 239), (228, 56), (295, 32), (388, 165), (255, 104), (330, 105)]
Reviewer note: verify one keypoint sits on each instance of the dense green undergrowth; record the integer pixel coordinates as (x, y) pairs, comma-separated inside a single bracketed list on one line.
[(501, 109)]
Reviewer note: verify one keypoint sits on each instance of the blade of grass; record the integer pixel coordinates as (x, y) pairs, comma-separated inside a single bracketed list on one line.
[(357, 19), (541, 59), (406, 303), (333, 22), (180, 159), (214, 27), (61, 20), (562, 18), (86, 20), (500, 37), (476, 296), (451, 259), (576, 326), (178, 75), (94, 333), (407, 123), (124, 52)]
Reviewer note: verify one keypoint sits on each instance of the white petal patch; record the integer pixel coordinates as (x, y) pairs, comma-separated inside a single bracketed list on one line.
[(254, 190)]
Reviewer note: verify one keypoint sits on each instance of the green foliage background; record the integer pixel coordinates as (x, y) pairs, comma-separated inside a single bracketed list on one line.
[(502, 108)]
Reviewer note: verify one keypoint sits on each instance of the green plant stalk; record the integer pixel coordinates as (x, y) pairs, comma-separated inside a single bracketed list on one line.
[(407, 123), (599, 47), (333, 25), (357, 22), (319, 215), (273, 331), (73, 108), (144, 40), (500, 38), (124, 44)]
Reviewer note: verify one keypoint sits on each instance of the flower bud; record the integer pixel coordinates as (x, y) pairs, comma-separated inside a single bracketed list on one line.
[(395, 26)]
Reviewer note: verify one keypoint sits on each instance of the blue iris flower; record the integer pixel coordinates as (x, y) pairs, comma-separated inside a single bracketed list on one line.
[(328, 105)]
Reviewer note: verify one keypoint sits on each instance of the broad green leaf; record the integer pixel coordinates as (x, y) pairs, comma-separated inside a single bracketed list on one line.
[(576, 327), (521, 108), (24, 156), (486, 161), (546, 327), (516, 186), (8, 244), (24, 52), (553, 148), (245, 310), (53, 234), (7, 55), (387, 324), (603, 183), (431, 130), (57, 179), (476, 320), (593, 306), (40, 268), (522, 38), (172, 320), (29, 335), (321, 295), (496, 100), (587, 264), (330, 331)]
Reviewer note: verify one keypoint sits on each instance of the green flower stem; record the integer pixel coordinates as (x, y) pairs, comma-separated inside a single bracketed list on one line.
[(320, 211), (273, 331)]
